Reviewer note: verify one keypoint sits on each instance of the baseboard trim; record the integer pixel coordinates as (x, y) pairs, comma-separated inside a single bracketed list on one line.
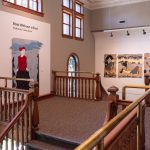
[(43, 97)]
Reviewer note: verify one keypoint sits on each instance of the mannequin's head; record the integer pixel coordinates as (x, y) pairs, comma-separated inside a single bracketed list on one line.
[(22, 51)]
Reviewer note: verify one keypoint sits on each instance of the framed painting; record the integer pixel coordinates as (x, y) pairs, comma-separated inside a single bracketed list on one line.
[(130, 65), (110, 65)]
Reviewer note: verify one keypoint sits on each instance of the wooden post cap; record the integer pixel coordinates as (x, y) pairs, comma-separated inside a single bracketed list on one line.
[(113, 89)]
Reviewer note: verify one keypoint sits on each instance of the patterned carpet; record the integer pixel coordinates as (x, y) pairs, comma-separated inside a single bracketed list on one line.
[(71, 119)]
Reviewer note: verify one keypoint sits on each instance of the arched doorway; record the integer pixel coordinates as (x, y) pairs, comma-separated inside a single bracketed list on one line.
[(72, 68)]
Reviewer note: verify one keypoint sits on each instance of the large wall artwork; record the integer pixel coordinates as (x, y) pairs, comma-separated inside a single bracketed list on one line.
[(110, 65), (130, 65), (25, 51), (25, 61), (147, 64)]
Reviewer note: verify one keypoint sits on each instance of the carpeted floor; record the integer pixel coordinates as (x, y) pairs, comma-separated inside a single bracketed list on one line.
[(75, 120), (71, 119)]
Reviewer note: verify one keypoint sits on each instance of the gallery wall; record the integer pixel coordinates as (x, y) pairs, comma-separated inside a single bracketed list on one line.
[(133, 14), (120, 43)]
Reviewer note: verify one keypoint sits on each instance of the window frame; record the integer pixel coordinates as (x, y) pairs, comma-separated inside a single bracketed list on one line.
[(79, 15), (75, 14), (70, 12), (25, 9)]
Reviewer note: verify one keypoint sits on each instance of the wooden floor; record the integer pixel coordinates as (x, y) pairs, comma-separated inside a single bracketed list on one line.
[(71, 119)]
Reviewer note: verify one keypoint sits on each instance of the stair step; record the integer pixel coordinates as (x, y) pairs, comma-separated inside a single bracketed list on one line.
[(39, 145), (61, 142)]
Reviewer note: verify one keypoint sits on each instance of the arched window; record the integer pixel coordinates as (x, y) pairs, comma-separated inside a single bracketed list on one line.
[(73, 67), (73, 63)]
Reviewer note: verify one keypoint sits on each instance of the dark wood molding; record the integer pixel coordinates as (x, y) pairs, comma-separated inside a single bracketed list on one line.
[(6, 3)]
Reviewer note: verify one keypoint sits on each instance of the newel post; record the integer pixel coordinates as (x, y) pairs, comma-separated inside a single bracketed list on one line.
[(35, 115), (112, 98), (147, 82), (98, 93), (54, 82)]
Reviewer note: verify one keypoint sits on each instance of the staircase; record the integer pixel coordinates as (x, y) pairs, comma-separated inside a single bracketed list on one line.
[(48, 142)]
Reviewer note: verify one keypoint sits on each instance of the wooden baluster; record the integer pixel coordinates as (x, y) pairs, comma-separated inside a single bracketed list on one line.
[(76, 87), (93, 81), (6, 139), (13, 104), (9, 108), (72, 86), (26, 125), (60, 87), (1, 108), (82, 88), (85, 88), (18, 102), (56, 92), (54, 84), (17, 135), (79, 88), (5, 106), (98, 90), (112, 105), (35, 116), (89, 88), (12, 138), (67, 86), (147, 82), (22, 132), (63, 86)]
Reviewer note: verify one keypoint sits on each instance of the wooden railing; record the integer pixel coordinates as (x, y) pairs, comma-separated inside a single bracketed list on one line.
[(84, 85), (124, 131), (19, 116)]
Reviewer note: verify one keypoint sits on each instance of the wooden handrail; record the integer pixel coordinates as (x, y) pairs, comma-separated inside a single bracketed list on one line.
[(132, 86), (14, 78), (85, 86), (15, 119), (74, 72), (20, 114), (98, 137)]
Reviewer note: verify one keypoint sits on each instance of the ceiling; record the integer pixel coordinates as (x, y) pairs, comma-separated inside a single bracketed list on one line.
[(95, 4)]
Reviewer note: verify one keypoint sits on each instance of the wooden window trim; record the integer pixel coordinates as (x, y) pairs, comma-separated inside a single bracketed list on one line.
[(67, 11), (81, 17), (9, 4), (75, 15), (81, 6)]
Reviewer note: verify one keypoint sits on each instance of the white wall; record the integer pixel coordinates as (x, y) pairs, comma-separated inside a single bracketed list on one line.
[(120, 43), (42, 34)]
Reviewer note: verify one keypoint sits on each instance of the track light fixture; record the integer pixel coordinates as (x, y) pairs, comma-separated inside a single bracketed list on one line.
[(111, 34), (144, 32), (128, 33)]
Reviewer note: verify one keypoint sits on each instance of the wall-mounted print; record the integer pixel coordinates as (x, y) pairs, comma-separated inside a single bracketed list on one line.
[(147, 64), (130, 65), (110, 65), (25, 61)]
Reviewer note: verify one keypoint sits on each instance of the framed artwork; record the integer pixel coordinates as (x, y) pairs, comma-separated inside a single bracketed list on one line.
[(110, 65), (25, 61), (130, 65), (147, 64)]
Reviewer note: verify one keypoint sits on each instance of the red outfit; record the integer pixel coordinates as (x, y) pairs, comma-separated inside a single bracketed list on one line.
[(22, 63)]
